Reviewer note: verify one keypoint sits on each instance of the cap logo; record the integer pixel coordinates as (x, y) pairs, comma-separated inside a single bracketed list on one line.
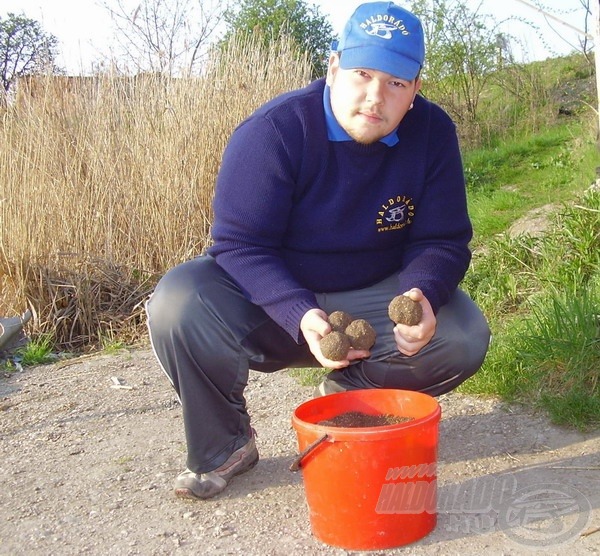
[(383, 26)]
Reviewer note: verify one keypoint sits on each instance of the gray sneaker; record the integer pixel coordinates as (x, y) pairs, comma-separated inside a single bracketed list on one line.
[(206, 485)]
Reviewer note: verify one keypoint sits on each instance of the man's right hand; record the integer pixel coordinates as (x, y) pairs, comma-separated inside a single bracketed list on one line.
[(314, 325)]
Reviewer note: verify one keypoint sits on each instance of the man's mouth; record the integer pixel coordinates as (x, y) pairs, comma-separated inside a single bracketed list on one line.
[(371, 116)]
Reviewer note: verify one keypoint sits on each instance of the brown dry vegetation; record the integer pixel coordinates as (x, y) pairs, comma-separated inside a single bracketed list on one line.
[(106, 183)]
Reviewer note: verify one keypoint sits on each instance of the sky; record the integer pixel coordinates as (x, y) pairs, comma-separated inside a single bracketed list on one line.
[(84, 28)]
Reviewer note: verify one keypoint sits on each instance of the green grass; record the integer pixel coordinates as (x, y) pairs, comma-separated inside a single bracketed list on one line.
[(564, 69), (542, 299), (504, 183), (36, 352), (110, 343), (309, 376)]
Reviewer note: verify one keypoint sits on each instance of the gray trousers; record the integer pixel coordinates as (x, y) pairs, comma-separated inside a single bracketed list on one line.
[(207, 335)]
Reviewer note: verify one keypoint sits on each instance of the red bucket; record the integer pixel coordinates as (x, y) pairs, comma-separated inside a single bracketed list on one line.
[(370, 488)]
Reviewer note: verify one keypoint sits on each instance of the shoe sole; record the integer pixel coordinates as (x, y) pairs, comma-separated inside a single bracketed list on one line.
[(188, 493)]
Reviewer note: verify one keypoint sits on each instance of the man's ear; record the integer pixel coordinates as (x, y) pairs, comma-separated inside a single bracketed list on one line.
[(334, 64)]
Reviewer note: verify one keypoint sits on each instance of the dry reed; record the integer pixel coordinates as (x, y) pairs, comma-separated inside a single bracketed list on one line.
[(107, 181)]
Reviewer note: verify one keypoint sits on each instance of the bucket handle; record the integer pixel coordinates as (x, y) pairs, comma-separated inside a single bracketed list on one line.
[(297, 463)]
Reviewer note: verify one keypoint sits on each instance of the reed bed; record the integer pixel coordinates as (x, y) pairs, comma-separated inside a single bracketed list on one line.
[(107, 181)]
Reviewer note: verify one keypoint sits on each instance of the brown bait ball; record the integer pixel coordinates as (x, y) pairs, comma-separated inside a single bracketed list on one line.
[(335, 346), (339, 320), (403, 310), (362, 335)]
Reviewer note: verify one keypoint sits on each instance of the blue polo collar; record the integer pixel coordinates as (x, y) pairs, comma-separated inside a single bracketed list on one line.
[(335, 132)]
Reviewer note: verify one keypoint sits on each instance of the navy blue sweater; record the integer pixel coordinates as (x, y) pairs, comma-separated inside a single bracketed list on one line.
[(295, 213)]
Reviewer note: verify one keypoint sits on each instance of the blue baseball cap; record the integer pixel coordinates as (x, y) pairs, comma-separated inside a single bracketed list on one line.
[(385, 37)]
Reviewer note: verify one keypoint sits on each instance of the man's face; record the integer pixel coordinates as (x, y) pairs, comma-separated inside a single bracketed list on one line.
[(368, 104)]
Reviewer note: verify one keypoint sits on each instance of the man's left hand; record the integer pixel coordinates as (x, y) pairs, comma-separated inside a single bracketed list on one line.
[(411, 339)]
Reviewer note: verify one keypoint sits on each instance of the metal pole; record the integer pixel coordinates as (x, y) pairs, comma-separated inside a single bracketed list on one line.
[(597, 62)]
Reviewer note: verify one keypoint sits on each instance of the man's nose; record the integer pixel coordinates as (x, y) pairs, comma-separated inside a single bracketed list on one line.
[(375, 91)]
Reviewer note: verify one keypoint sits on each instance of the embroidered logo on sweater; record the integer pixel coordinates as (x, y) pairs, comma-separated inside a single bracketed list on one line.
[(395, 214)]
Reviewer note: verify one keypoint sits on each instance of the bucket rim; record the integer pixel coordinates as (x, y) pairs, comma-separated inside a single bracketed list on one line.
[(367, 433)]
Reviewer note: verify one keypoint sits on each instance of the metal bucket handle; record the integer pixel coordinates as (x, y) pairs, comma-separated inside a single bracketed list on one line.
[(297, 463)]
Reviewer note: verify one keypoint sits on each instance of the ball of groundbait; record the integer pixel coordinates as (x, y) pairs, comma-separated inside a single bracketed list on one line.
[(403, 310), (362, 335), (339, 320), (335, 346)]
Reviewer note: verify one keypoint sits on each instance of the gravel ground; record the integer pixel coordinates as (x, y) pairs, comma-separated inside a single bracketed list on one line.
[(86, 468)]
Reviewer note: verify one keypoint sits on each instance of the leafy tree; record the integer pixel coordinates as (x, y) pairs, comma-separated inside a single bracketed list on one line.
[(462, 52), (25, 49), (311, 30)]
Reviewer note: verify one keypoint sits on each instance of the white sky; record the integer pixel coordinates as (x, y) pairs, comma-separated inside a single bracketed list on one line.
[(83, 28)]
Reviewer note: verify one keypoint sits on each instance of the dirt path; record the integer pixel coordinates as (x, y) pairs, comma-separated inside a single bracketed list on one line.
[(86, 468)]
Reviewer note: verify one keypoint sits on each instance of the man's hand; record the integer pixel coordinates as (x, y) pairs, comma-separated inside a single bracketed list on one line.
[(314, 325), (411, 339)]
